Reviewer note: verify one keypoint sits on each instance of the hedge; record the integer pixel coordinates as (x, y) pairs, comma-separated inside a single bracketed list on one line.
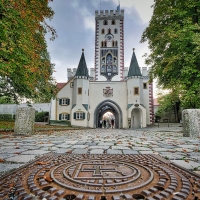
[(40, 116), (6, 117)]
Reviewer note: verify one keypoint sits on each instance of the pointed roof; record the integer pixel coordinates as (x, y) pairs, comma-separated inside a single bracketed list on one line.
[(82, 67), (134, 69)]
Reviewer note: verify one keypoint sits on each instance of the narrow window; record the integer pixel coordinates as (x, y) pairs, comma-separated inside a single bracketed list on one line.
[(72, 84), (105, 22), (113, 43), (109, 59), (103, 68), (136, 90), (145, 85), (80, 90), (114, 68), (116, 43), (105, 44), (109, 68), (102, 44), (109, 31), (113, 22), (115, 31), (102, 31)]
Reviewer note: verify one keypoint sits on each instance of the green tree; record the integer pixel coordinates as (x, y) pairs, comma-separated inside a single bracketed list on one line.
[(173, 36), (6, 100), (25, 66), (169, 102)]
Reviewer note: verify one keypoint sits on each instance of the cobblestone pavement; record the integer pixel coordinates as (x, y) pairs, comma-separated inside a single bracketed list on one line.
[(165, 141)]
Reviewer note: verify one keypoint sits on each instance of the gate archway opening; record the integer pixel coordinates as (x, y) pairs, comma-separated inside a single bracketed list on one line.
[(111, 108)]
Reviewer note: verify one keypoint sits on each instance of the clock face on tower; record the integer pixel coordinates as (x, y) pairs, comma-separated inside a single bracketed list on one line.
[(109, 37)]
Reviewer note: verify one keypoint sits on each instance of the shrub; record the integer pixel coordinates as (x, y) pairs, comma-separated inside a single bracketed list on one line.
[(6, 117), (40, 116)]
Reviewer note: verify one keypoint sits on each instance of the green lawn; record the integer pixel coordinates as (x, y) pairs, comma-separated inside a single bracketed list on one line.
[(6, 125)]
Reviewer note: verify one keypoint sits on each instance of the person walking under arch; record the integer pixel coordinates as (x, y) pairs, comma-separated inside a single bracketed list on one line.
[(112, 123), (104, 123), (100, 123)]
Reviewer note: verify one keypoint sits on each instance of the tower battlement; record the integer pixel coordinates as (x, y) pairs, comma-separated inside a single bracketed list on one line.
[(72, 71), (109, 13)]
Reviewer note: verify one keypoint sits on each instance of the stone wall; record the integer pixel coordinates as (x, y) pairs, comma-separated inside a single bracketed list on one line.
[(11, 108), (24, 121), (191, 122)]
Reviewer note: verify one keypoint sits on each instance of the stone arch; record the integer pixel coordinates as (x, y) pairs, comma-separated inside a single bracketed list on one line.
[(108, 106)]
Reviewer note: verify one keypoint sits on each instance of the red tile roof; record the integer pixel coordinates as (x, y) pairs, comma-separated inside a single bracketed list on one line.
[(60, 85)]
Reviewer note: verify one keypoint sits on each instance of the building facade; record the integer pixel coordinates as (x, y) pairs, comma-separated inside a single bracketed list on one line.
[(110, 87)]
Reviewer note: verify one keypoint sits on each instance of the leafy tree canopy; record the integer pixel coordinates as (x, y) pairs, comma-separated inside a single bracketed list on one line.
[(25, 66), (6, 100), (169, 102), (173, 36)]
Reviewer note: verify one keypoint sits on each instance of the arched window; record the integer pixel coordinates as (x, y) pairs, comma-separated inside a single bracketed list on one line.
[(113, 22), (114, 68), (102, 44), (109, 31), (105, 44), (105, 22), (113, 43), (102, 31), (115, 31), (103, 68), (109, 68), (109, 59), (116, 43)]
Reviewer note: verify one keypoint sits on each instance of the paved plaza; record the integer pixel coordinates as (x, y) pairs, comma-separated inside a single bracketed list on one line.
[(164, 141)]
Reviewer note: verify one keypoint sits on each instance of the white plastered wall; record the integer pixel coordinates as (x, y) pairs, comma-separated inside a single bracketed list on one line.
[(119, 97), (65, 92), (79, 100)]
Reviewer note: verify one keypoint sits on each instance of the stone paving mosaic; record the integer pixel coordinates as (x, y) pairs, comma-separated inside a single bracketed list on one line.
[(169, 144)]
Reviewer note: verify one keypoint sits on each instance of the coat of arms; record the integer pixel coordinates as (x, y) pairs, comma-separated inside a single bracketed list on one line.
[(108, 92)]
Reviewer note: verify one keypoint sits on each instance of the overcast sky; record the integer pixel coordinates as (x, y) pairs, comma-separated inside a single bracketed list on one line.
[(74, 21)]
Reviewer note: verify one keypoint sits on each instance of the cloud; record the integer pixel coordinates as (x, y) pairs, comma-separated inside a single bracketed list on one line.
[(74, 21), (143, 7)]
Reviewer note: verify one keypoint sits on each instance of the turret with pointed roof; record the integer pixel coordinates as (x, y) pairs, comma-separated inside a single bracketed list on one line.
[(82, 67), (134, 69)]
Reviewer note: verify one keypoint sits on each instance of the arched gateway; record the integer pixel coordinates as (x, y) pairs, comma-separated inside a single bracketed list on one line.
[(108, 106)]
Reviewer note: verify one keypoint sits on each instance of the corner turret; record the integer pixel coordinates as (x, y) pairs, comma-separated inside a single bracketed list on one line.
[(134, 69), (82, 71)]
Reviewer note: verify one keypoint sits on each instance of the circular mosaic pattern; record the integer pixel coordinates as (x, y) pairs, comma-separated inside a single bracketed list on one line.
[(102, 176), (90, 177)]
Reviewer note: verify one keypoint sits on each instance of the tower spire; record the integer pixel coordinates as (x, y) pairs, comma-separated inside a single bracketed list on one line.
[(82, 67), (134, 69)]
